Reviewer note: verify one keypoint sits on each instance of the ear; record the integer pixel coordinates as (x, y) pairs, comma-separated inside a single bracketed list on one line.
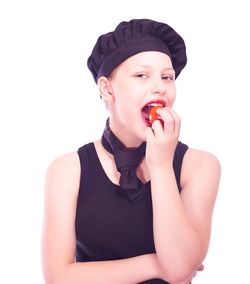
[(105, 89)]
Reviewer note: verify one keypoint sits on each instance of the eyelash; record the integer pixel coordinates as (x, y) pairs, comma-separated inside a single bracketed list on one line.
[(168, 77), (141, 75), (164, 77)]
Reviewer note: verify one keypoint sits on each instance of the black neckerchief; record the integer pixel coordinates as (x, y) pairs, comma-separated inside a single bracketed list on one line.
[(126, 160)]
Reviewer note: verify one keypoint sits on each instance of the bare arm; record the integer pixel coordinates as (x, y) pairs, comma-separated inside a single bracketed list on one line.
[(184, 221), (58, 241), (181, 223)]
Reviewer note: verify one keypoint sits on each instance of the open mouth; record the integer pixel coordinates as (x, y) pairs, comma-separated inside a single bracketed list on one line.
[(149, 114)]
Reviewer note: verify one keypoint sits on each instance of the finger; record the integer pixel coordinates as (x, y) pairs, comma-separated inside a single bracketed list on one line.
[(200, 268), (177, 120), (169, 123), (157, 128), (149, 134)]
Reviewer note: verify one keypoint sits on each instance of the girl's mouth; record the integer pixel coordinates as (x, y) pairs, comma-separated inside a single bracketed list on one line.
[(147, 109)]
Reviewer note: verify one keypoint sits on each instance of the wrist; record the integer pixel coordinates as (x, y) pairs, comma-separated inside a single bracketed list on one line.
[(161, 170)]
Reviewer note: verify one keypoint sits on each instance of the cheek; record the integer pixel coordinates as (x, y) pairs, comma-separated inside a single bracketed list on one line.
[(126, 107), (172, 100), (172, 96), (126, 96)]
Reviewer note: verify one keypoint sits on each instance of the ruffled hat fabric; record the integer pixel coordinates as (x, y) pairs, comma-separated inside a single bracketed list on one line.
[(130, 38)]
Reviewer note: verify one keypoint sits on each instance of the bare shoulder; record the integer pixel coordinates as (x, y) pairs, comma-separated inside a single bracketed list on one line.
[(196, 159), (69, 160), (64, 171), (200, 165)]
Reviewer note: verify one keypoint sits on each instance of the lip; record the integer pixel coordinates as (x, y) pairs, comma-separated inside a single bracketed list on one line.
[(160, 102)]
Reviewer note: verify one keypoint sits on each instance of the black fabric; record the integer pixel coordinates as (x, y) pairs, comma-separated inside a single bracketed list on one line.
[(108, 225), (126, 160), (130, 38)]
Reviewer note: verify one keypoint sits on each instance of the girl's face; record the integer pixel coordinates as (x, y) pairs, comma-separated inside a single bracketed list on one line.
[(140, 82)]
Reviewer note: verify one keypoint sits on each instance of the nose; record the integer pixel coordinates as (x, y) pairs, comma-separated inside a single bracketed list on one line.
[(158, 87), (160, 91)]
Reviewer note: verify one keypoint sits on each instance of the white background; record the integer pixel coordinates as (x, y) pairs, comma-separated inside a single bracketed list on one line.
[(49, 105)]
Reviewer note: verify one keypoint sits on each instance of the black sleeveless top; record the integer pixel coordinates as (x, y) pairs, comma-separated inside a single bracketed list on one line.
[(108, 224)]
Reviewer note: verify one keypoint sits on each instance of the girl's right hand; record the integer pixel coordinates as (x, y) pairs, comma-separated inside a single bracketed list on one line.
[(189, 279), (162, 141)]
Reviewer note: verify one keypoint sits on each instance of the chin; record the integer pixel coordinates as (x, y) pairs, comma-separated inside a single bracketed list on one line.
[(141, 133)]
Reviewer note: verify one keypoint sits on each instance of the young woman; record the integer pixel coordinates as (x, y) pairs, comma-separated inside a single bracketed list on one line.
[(136, 205)]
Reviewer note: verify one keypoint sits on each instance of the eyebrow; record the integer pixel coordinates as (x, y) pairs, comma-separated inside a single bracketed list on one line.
[(148, 66)]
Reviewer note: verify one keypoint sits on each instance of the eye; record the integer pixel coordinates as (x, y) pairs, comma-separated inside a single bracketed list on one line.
[(168, 77), (141, 75)]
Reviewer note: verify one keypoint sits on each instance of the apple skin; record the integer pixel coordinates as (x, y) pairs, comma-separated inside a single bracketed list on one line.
[(153, 115)]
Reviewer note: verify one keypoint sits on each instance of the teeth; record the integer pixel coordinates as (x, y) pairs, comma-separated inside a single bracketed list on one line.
[(154, 104)]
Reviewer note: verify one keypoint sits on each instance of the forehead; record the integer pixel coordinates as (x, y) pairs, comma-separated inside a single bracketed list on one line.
[(149, 59)]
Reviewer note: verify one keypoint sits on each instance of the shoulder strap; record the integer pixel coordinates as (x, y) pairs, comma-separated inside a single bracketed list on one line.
[(178, 159), (84, 158)]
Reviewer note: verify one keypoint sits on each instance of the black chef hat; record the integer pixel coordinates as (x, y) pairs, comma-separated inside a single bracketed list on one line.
[(130, 38)]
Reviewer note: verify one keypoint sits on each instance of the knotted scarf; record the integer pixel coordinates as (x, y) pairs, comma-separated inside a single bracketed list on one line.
[(126, 160)]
